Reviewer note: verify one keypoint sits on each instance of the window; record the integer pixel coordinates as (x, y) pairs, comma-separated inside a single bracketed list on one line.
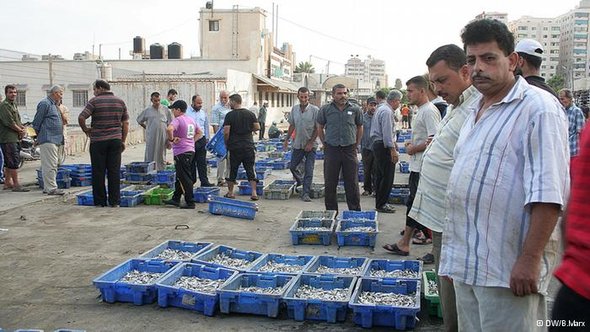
[(21, 98), (214, 25), (80, 98)]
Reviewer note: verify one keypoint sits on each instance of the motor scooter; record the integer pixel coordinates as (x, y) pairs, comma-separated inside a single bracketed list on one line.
[(29, 150)]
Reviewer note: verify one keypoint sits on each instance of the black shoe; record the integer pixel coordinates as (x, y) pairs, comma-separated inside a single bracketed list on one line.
[(189, 207), (386, 209), (208, 185), (171, 202)]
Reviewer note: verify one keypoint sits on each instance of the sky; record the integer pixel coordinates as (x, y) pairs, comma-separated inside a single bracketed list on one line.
[(402, 33)]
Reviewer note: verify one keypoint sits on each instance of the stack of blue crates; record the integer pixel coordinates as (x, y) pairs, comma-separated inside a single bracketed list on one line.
[(63, 178), (404, 167), (140, 172), (352, 219), (165, 179), (81, 174), (399, 195)]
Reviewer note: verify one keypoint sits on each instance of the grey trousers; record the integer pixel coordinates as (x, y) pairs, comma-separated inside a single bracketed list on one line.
[(445, 288)]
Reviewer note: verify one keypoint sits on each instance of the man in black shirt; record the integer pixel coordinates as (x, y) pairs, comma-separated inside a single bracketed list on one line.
[(238, 127), (530, 56)]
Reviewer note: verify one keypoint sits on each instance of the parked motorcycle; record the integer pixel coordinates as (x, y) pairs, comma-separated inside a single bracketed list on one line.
[(28, 146)]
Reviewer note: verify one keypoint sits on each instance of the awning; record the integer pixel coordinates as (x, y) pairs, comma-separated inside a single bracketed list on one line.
[(281, 86)]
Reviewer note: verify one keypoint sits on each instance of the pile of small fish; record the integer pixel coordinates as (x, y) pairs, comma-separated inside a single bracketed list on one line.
[(308, 292), (225, 260), (360, 229), (272, 266), (393, 299), (408, 274), (199, 284), (339, 270), (140, 278), (262, 290), (174, 254), (433, 287), (313, 229)]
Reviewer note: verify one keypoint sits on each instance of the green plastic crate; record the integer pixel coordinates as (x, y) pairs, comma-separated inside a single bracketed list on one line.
[(432, 298), (157, 196)]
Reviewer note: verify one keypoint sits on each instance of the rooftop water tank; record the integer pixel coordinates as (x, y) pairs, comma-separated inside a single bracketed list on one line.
[(174, 51), (138, 45), (156, 51)]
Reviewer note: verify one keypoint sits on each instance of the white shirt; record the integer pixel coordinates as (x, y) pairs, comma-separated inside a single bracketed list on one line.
[(424, 124), (516, 154), (429, 204)]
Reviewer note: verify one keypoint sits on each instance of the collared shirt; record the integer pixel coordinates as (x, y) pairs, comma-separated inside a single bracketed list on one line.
[(382, 126), (516, 154), (108, 113), (340, 126), (539, 82), (200, 118), (424, 124), (366, 142), (429, 203), (576, 121), (8, 117), (218, 113), (48, 122), (304, 123), (573, 270)]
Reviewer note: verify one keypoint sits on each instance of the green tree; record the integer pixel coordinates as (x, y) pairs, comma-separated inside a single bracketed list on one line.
[(304, 67), (556, 82)]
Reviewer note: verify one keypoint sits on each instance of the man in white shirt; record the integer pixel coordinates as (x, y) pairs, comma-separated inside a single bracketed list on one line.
[(199, 165), (218, 113)]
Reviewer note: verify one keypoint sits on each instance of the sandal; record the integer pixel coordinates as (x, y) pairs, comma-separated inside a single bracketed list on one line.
[(254, 198), (394, 249), (422, 241), (229, 196), (426, 259), (20, 190)]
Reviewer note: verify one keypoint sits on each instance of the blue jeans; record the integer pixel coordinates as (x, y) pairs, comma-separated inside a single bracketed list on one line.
[(307, 177)]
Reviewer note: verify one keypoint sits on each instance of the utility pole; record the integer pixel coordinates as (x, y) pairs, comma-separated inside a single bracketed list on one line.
[(50, 62)]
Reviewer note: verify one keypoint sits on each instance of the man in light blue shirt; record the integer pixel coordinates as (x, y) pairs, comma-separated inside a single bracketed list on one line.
[(49, 126), (218, 113), (199, 164)]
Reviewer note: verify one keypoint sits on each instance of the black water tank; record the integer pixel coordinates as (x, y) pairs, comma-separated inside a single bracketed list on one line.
[(138, 45), (156, 51), (174, 51)]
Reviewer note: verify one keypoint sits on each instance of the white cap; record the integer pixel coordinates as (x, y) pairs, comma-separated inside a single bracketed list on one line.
[(530, 47)]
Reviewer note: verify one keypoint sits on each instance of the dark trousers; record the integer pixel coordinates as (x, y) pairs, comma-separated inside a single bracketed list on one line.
[(384, 173), (307, 177), (184, 178), (245, 157), (570, 306), (261, 132), (369, 167), (199, 162), (413, 183), (105, 157), (341, 158)]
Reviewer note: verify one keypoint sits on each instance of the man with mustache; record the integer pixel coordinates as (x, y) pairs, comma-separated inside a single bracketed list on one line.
[(506, 190)]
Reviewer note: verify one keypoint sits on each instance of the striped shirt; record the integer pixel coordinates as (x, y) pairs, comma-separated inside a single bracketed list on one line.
[(514, 155), (576, 120), (107, 112), (218, 113), (48, 123), (429, 204), (424, 124), (574, 270)]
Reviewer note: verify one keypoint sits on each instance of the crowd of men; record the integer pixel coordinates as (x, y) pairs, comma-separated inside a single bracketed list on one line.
[(493, 153)]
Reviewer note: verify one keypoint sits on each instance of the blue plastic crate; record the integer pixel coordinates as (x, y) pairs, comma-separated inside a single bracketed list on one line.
[(62, 173), (165, 176), (201, 194), (193, 247), (334, 262), (292, 182), (315, 309), (401, 149), (64, 183), (131, 198), (369, 315), (386, 265), (209, 254), (81, 168), (361, 176), (262, 173), (232, 208), (232, 299), (301, 236), (356, 238), (212, 162), (280, 164), (367, 215), (319, 155), (300, 261), (81, 183), (399, 195), (404, 167), (245, 189), (206, 303), (216, 144), (264, 163), (140, 177), (112, 290), (141, 167), (85, 198)]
